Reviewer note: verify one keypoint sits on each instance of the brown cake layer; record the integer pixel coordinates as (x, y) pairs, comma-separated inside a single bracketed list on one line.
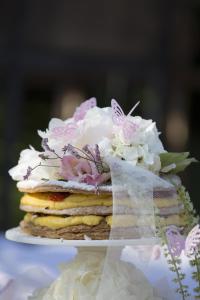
[(78, 232), (95, 227), (81, 232)]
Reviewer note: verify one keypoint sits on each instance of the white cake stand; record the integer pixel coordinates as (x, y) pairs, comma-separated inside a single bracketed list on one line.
[(80, 279), (17, 235)]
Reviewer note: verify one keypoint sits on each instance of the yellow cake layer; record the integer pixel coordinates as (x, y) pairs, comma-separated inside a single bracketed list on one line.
[(179, 220), (55, 222), (72, 201), (83, 200)]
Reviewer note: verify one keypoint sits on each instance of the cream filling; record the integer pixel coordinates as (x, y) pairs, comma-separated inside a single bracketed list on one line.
[(126, 221), (41, 200), (72, 201), (56, 222)]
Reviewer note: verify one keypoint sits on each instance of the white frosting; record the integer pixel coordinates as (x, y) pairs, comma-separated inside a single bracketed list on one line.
[(32, 184), (97, 127)]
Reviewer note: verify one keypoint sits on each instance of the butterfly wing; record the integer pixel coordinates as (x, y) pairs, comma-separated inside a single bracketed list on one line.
[(175, 241), (83, 108), (117, 113), (129, 128), (66, 131), (192, 241)]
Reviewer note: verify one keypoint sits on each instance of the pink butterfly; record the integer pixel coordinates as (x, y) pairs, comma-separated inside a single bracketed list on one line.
[(123, 121), (177, 242), (83, 108), (66, 131), (69, 130)]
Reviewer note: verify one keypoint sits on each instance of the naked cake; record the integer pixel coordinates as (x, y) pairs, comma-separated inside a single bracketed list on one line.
[(68, 185)]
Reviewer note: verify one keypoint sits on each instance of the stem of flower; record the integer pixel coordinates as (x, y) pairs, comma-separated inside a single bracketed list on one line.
[(183, 289), (178, 276), (58, 156), (48, 166), (89, 158), (196, 260)]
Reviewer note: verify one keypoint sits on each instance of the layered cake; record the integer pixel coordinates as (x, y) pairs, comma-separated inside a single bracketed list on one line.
[(68, 185)]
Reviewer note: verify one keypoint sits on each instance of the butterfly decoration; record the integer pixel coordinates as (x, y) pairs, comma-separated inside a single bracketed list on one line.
[(66, 131), (83, 108), (123, 121), (69, 130), (192, 241), (177, 243)]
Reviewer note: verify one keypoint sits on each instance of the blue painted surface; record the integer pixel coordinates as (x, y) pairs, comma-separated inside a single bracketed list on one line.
[(14, 257)]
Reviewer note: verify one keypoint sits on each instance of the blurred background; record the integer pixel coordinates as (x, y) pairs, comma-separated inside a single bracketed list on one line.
[(55, 54)]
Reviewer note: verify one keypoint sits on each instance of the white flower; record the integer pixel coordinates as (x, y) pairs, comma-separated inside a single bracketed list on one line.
[(29, 158), (141, 146), (59, 134), (96, 126)]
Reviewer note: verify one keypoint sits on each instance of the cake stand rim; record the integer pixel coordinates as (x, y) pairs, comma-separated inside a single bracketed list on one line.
[(17, 235)]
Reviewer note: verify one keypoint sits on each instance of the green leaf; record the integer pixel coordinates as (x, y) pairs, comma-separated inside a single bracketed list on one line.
[(180, 160)]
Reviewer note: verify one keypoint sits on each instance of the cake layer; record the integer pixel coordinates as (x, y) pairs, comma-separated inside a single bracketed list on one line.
[(81, 232), (90, 210), (56, 222), (78, 232), (35, 186), (98, 210), (45, 200), (49, 201), (99, 231)]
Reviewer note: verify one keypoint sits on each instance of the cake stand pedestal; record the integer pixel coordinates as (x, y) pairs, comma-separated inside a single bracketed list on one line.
[(81, 279)]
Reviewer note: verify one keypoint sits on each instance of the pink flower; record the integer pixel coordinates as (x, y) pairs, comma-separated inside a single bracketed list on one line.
[(81, 170)]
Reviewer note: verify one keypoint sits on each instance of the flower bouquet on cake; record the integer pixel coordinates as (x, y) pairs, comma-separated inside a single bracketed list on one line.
[(105, 175)]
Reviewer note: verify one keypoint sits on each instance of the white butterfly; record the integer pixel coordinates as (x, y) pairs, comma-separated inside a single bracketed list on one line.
[(192, 241), (177, 242), (123, 121)]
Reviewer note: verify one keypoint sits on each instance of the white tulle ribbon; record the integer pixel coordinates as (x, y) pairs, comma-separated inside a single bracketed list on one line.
[(134, 218)]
